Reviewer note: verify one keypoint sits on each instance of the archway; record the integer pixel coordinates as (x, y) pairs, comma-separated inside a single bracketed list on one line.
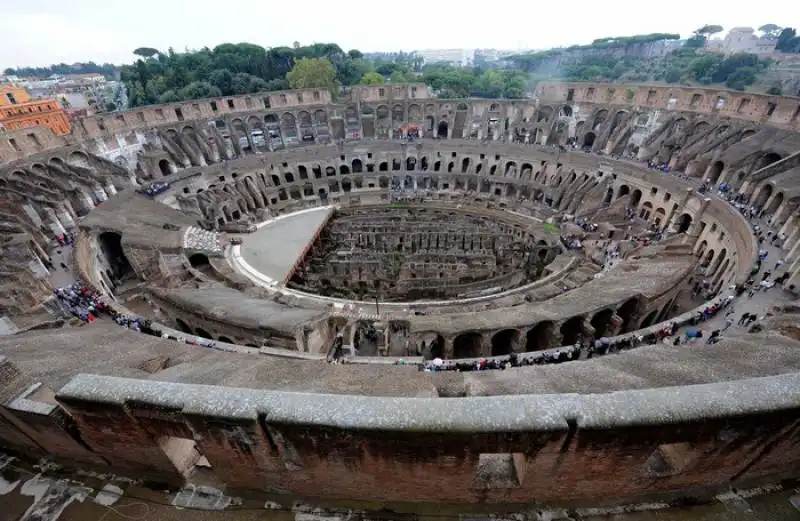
[(199, 261), (183, 326), (629, 312), (225, 340), (609, 195), (358, 167), (763, 195), (635, 198), (684, 223), (623, 191), (203, 333), (467, 345), (540, 337), (111, 245), (767, 160), (571, 331), (163, 166), (411, 163), (775, 204), (601, 322), (503, 342), (715, 171), (650, 319), (588, 139), (441, 130)]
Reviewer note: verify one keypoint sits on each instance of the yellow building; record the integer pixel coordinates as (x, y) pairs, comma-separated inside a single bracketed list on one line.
[(18, 110)]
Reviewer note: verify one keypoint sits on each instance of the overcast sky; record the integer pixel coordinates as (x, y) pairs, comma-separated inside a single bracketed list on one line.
[(40, 32)]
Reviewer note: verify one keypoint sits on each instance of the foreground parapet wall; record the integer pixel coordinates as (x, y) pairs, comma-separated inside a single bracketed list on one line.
[(554, 449)]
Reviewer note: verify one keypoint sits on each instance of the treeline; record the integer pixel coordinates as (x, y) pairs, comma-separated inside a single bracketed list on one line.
[(107, 69), (228, 69)]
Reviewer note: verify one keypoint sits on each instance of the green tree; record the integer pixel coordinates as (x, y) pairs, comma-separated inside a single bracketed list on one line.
[(399, 76), (223, 80), (310, 73), (770, 30), (199, 89), (145, 52), (372, 78), (709, 30)]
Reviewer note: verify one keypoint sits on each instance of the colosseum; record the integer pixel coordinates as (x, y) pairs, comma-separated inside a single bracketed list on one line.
[(392, 300)]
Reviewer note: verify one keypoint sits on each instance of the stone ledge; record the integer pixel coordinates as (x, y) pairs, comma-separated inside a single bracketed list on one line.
[(545, 412)]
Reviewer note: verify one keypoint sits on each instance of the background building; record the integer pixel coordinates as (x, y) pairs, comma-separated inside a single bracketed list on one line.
[(19, 110)]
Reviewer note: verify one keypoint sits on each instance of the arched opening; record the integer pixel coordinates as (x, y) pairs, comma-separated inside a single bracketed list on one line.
[(609, 195), (225, 340), (183, 326), (467, 345), (566, 111), (601, 322), (111, 245), (571, 331), (767, 160), (203, 333), (344, 170), (588, 139), (774, 204), (540, 337), (763, 195), (650, 319), (464, 165), (636, 197), (684, 223), (411, 163), (503, 342), (163, 166), (436, 348), (346, 185), (358, 167), (623, 191), (199, 261), (630, 312), (441, 130), (715, 171), (709, 258)]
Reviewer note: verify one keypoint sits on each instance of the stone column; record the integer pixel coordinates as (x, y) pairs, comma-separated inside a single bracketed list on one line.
[(448, 350), (695, 229), (31, 212), (110, 188), (681, 207), (64, 216), (55, 225)]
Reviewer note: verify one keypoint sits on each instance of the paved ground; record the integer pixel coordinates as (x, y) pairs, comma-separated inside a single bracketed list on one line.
[(274, 248)]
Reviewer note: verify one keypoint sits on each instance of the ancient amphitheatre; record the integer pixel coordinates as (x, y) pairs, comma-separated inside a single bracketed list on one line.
[(289, 218)]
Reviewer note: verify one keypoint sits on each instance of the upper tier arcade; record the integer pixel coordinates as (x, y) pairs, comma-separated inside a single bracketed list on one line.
[(271, 229)]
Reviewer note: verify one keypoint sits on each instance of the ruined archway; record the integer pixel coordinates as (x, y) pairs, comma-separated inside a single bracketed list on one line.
[(684, 223), (601, 322), (630, 312), (203, 333), (467, 345), (503, 342), (164, 168), (715, 171), (442, 130), (199, 261), (588, 139), (650, 319), (571, 331), (540, 337), (183, 326), (110, 244)]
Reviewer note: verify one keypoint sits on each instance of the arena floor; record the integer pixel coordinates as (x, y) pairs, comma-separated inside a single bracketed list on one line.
[(276, 246)]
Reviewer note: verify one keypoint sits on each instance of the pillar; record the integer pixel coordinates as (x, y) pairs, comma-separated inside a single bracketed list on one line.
[(100, 194), (53, 223), (110, 188), (31, 212), (680, 209), (694, 230), (64, 216)]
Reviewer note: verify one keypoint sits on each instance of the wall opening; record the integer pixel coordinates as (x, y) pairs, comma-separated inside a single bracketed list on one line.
[(183, 454), (668, 460), (467, 345), (163, 166), (111, 246), (499, 471), (503, 342)]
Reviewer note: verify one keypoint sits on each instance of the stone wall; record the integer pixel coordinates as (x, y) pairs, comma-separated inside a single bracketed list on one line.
[(567, 450)]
